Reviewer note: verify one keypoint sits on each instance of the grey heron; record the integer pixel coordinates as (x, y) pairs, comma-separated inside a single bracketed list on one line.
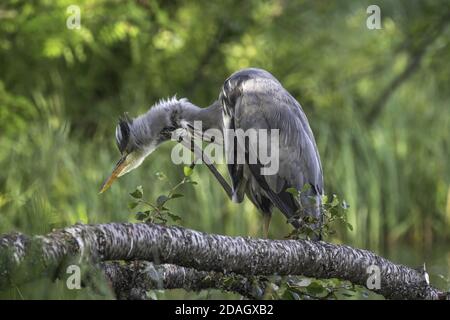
[(249, 99)]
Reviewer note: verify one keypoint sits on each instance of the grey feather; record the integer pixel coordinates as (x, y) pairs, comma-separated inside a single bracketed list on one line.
[(254, 99)]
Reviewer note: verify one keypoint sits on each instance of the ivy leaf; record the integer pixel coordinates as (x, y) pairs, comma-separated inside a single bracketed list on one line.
[(138, 193), (187, 171)]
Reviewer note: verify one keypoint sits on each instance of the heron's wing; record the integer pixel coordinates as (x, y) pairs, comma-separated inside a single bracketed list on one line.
[(254, 99), (235, 168), (236, 148), (265, 104)]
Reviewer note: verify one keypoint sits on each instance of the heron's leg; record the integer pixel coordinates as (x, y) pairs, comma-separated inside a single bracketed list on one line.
[(267, 216), (199, 153), (221, 180), (192, 165)]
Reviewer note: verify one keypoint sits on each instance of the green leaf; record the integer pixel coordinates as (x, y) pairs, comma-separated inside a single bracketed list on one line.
[(162, 219), (334, 201), (317, 289), (292, 191), (138, 193), (349, 226), (133, 204), (141, 216), (174, 217), (176, 195), (306, 187), (291, 295), (324, 199), (348, 294), (188, 171), (161, 200)]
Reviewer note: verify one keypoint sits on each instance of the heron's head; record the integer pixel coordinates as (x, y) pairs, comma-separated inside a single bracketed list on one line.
[(137, 138)]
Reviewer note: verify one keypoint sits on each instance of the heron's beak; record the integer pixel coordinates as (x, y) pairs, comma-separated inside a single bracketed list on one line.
[(117, 172)]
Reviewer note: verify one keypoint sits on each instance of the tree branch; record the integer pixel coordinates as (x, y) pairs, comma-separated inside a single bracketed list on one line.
[(23, 258), (132, 280)]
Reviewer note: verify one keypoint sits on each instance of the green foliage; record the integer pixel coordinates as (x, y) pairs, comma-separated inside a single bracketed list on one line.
[(187, 171), (157, 212), (333, 211), (300, 288)]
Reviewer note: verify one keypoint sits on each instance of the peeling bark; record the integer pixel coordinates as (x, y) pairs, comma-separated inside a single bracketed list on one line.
[(205, 252)]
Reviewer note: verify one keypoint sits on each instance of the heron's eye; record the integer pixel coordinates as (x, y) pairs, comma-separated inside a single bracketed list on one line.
[(123, 133), (166, 132)]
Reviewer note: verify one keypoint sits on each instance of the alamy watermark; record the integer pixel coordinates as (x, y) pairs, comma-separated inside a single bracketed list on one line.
[(73, 281), (252, 146), (374, 280), (73, 21), (373, 21)]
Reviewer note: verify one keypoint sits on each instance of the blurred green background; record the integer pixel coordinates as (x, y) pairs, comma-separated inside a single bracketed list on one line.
[(377, 101)]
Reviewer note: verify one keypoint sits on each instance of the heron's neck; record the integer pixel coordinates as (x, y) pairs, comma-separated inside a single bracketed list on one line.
[(210, 117)]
